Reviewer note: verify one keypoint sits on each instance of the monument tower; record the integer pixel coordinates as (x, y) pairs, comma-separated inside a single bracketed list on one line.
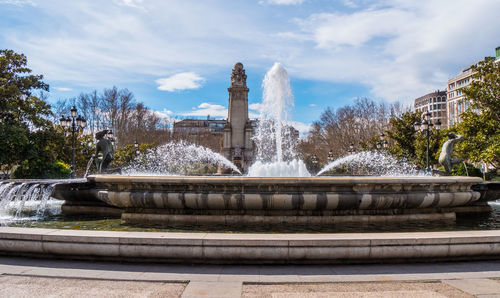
[(237, 141)]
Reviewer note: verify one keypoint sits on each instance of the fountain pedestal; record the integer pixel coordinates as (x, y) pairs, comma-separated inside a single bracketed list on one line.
[(316, 200)]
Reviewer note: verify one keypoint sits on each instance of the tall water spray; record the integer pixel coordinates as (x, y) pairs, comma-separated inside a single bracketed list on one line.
[(277, 101), (274, 137)]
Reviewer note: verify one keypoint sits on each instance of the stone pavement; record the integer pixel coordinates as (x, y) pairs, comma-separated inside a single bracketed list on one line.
[(477, 278)]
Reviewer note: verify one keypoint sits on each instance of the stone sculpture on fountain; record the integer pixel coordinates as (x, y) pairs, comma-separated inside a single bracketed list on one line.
[(445, 158), (105, 148)]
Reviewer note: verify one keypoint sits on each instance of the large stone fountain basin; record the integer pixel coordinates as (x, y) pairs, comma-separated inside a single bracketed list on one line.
[(196, 199)]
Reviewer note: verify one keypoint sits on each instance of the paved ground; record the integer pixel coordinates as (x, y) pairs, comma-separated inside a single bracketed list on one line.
[(24, 277), (28, 286)]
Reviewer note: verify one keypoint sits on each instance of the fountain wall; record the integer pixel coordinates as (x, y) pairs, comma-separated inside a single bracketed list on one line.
[(228, 200)]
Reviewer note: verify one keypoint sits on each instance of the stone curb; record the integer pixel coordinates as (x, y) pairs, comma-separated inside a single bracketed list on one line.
[(250, 248)]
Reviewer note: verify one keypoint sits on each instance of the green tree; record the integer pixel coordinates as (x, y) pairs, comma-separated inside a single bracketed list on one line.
[(480, 125), (406, 143), (40, 157), (403, 135), (13, 139), (436, 140), (125, 155), (20, 110), (17, 102)]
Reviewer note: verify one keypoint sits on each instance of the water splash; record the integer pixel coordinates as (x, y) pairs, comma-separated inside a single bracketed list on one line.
[(374, 163), (89, 164), (177, 158), (26, 201), (293, 168), (274, 138)]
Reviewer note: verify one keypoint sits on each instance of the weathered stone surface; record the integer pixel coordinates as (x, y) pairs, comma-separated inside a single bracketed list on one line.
[(476, 286), (251, 248), (212, 289)]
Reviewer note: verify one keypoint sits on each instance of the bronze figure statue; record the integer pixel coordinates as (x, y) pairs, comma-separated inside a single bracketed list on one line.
[(445, 158), (105, 147)]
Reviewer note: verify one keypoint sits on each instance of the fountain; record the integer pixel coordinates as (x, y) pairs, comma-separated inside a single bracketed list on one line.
[(277, 188), (154, 191)]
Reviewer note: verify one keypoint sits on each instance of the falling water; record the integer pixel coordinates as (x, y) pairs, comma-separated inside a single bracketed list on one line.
[(26, 201), (466, 170), (177, 158), (371, 163), (89, 164), (274, 138)]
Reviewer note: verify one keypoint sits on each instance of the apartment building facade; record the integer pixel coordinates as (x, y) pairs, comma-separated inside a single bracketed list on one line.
[(435, 104), (457, 102)]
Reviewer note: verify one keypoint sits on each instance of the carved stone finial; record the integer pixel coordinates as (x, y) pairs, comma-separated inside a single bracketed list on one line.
[(238, 77)]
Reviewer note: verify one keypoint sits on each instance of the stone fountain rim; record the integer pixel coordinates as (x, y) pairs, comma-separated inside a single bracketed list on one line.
[(250, 248), (283, 180)]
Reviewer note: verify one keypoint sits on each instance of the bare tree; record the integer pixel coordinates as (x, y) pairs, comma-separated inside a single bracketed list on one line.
[(117, 110), (358, 125)]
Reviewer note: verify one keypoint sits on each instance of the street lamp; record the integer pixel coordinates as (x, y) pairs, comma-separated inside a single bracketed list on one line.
[(315, 161), (382, 144), (73, 125), (136, 146), (426, 126), (351, 149), (111, 137), (330, 156)]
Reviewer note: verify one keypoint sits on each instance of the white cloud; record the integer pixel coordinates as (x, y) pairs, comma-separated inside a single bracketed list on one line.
[(302, 127), (166, 115), (312, 105), (400, 50), (350, 3), (397, 49), (131, 3), (332, 30), (282, 2), (256, 107), (18, 2), (63, 89), (180, 81), (207, 109)]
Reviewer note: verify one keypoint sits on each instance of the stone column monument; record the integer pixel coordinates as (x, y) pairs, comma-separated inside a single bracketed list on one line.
[(237, 142)]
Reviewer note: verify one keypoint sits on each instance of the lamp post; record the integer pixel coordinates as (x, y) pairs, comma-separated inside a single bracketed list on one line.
[(382, 144), (425, 126), (330, 156), (351, 150), (315, 161), (73, 123), (136, 147), (111, 137)]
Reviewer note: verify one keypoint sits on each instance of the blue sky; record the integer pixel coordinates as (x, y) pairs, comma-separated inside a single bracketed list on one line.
[(176, 55)]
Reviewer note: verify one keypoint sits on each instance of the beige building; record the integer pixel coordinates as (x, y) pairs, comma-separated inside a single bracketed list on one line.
[(195, 127), (435, 104), (205, 132), (457, 102)]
